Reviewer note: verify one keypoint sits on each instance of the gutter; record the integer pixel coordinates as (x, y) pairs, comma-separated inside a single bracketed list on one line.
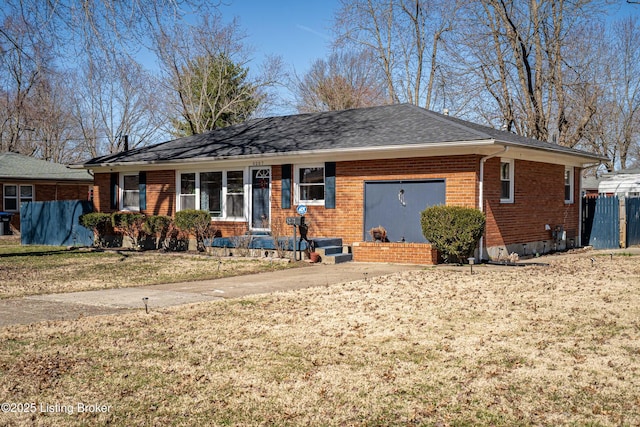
[(286, 155), (481, 192)]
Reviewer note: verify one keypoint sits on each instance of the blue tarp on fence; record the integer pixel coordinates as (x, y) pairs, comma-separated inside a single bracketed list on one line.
[(633, 221), (605, 223), (55, 223)]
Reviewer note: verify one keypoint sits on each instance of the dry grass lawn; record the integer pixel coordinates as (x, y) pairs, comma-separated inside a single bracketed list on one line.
[(32, 270), (556, 345)]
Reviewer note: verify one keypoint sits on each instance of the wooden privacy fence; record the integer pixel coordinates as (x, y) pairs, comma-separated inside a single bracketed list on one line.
[(633, 220), (610, 222), (55, 223)]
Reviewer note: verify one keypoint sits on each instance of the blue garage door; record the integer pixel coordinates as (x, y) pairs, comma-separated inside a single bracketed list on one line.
[(396, 205)]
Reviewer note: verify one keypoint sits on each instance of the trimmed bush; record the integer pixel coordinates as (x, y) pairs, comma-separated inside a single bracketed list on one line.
[(98, 222), (131, 225), (195, 222), (157, 226), (453, 230)]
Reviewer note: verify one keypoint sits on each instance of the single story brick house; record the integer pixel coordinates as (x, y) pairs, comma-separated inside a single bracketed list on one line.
[(355, 170), (26, 179)]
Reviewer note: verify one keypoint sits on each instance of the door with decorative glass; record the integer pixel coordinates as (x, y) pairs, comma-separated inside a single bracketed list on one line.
[(260, 198)]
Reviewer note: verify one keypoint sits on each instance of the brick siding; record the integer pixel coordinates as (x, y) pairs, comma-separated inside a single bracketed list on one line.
[(403, 253), (347, 219), (538, 200)]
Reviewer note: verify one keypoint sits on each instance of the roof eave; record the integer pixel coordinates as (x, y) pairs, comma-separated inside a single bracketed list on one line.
[(342, 152), (586, 158), (480, 147)]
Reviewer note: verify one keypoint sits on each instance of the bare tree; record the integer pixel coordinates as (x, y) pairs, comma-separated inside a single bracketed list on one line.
[(615, 129), (345, 80), (526, 57), (105, 32), (205, 67), (117, 102), (54, 136), (22, 64), (404, 36)]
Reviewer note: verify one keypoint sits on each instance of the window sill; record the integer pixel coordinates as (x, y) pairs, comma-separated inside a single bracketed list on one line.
[(230, 219), (310, 202)]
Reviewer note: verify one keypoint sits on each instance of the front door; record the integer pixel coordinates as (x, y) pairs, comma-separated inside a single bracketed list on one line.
[(260, 198)]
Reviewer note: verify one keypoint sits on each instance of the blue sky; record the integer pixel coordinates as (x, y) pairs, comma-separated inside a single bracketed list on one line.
[(297, 30)]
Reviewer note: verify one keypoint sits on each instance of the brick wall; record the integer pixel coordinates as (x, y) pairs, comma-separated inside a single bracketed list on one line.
[(538, 200), (161, 193), (404, 253), (538, 196), (347, 219), (47, 192), (101, 192)]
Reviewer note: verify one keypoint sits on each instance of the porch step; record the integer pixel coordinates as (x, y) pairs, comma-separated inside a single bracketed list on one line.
[(323, 242), (329, 250), (332, 251), (336, 258)]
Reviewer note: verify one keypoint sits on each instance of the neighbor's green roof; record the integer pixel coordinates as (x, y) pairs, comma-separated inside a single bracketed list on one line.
[(17, 166)]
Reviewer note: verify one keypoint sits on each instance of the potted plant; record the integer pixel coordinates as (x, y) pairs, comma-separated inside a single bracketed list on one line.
[(379, 234)]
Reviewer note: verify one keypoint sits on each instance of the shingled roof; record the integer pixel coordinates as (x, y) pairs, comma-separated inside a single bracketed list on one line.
[(15, 166), (384, 126)]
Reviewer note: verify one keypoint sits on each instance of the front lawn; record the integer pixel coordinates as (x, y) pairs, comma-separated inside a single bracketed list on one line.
[(553, 345), (31, 270)]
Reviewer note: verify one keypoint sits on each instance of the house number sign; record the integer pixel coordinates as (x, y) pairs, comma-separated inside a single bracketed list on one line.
[(302, 209)]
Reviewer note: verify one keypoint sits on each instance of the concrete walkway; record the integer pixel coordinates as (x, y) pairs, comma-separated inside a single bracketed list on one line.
[(69, 306)]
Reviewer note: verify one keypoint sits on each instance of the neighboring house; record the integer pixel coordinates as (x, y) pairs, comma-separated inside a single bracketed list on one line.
[(356, 170), (25, 179), (624, 183), (590, 186)]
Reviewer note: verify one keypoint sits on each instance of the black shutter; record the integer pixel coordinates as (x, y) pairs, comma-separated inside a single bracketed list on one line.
[(286, 186), (142, 186), (330, 185), (114, 190)]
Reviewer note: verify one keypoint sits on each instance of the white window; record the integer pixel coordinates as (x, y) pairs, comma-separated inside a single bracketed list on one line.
[(130, 193), (211, 193), (187, 191), (15, 195), (506, 180), (235, 194), (309, 182), (568, 185), (221, 193)]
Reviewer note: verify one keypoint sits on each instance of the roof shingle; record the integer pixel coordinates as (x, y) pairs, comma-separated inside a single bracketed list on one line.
[(18, 166), (383, 126)]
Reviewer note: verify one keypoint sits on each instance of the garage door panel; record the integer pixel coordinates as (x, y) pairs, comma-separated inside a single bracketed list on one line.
[(397, 205)]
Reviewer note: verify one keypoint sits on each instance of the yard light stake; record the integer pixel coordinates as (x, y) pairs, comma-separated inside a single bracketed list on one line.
[(145, 300), (593, 262)]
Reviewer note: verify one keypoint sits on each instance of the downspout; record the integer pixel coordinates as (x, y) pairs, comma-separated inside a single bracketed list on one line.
[(579, 239), (584, 166), (481, 193)]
